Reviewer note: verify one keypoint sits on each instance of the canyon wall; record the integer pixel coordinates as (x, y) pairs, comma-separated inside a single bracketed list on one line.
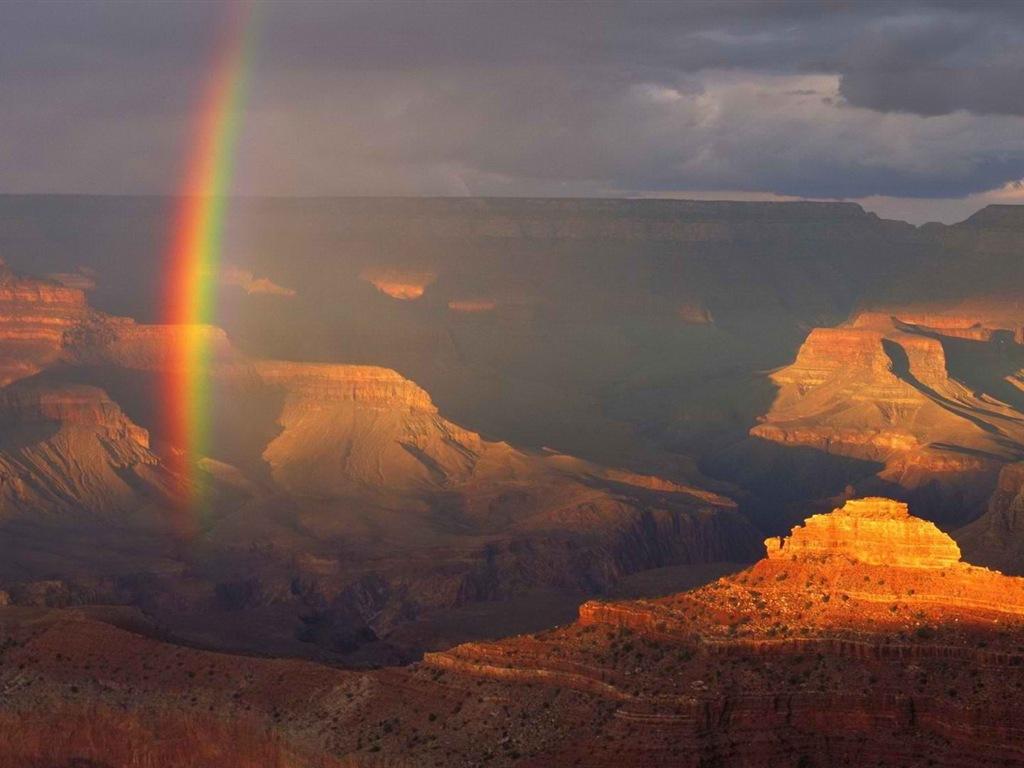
[(928, 396), (34, 316)]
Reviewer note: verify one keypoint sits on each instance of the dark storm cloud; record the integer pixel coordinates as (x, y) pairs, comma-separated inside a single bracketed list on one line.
[(814, 99)]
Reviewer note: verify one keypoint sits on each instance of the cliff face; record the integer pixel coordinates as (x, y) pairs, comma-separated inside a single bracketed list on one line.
[(929, 396), (618, 327), (829, 652), (67, 448), (871, 531), (346, 428), (68, 451), (34, 316), (546, 322), (997, 537), (69, 405), (37, 310), (404, 285)]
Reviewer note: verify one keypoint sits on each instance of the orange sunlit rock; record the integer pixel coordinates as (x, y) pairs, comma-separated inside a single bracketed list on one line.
[(821, 650), (401, 284), (875, 531), (880, 389), (35, 315), (254, 286)]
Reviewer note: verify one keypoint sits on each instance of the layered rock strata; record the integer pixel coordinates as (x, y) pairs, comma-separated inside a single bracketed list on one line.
[(871, 531), (930, 398), (34, 317), (822, 654)]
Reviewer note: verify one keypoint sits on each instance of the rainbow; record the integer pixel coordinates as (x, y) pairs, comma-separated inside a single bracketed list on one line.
[(193, 263)]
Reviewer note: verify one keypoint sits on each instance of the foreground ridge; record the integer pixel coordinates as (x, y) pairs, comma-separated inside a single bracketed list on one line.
[(824, 653), (861, 638)]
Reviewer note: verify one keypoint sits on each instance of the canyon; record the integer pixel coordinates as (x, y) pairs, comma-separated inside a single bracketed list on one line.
[(738, 364), (862, 638), (640, 334), (440, 423), (344, 507)]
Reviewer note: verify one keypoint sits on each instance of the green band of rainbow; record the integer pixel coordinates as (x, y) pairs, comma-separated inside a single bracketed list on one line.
[(195, 255)]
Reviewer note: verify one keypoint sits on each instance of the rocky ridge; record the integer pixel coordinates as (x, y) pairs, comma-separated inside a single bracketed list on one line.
[(828, 652), (821, 654), (928, 396), (344, 505)]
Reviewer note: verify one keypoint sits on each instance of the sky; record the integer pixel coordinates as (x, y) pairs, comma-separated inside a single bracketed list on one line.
[(913, 109)]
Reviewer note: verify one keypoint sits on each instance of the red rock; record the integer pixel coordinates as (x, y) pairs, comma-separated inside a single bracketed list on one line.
[(812, 657), (879, 389), (874, 531)]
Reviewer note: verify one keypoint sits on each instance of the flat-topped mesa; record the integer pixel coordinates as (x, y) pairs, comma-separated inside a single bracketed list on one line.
[(365, 384), (873, 531), (124, 343), (35, 310), (862, 356), (22, 289)]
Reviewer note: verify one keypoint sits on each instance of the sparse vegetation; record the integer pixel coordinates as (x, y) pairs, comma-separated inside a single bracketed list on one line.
[(101, 737)]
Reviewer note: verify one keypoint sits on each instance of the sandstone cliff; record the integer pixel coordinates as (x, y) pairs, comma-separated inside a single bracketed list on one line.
[(997, 537), (870, 531), (344, 427), (928, 396), (34, 316), (70, 450), (862, 638)]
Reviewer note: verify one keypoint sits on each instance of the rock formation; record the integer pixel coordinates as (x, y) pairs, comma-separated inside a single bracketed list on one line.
[(997, 537), (821, 655), (401, 284), (342, 503), (829, 652), (624, 332), (873, 531), (599, 346), (69, 449), (925, 395), (34, 316)]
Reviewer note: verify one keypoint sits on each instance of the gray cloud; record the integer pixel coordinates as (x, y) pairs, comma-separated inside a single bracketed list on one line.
[(918, 99)]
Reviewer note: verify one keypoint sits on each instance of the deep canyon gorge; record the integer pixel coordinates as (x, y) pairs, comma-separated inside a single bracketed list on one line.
[(490, 481)]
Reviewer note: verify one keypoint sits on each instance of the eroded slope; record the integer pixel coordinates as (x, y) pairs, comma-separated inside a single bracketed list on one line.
[(343, 504), (861, 639), (929, 396)]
